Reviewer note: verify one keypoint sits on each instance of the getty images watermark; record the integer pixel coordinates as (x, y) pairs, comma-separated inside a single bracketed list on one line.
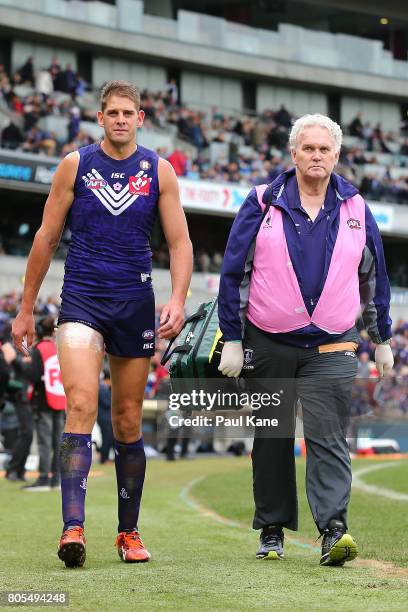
[(202, 400)]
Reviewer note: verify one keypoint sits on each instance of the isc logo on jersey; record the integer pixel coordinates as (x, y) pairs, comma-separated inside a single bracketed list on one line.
[(118, 175)]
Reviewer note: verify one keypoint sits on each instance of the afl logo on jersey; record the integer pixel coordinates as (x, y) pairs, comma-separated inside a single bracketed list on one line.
[(96, 183), (354, 224), (148, 334)]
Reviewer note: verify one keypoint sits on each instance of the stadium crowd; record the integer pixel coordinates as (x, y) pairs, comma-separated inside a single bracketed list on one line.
[(245, 149)]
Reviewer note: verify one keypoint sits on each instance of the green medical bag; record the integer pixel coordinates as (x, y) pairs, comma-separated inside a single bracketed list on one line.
[(195, 352)]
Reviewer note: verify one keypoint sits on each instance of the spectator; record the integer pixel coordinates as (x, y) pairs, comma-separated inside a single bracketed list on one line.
[(74, 123), (172, 93), (179, 162), (44, 83), (356, 126), (196, 134), (364, 367), (26, 72), (55, 72), (283, 117), (81, 86), (11, 137), (70, 80)]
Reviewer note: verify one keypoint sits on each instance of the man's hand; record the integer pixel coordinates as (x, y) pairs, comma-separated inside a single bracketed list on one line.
[(23, 326), (384, 359), (232, 359), (171, 320)]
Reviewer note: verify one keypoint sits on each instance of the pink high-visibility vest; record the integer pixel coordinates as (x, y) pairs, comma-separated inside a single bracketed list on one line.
[(275, 301)]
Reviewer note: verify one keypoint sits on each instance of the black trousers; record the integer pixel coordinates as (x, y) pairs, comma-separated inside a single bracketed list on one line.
[(108, 440), (49, 425), (21, 447), (322, 382)]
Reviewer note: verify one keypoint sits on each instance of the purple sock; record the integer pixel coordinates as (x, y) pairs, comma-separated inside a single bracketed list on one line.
[(76, 459), (130, 464)]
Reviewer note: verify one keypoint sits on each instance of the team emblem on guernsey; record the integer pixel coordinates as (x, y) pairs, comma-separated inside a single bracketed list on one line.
[(354, 224), (139, 184), (145, 165), (248, 353), (115, 201)]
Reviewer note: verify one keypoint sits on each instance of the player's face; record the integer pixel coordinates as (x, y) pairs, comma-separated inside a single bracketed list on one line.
[(315, 155), (120, 120)]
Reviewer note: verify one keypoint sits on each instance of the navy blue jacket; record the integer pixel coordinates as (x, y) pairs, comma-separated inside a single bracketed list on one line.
[(237, 264)]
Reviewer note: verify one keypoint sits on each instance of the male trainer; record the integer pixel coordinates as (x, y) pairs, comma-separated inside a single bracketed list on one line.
[(291, 287), (109, 194)]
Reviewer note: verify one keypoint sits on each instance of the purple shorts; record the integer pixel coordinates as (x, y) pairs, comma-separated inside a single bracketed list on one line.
[(127, 326)]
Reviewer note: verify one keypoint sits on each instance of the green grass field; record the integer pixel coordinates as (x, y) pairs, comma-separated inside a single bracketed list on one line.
[(198, 561)]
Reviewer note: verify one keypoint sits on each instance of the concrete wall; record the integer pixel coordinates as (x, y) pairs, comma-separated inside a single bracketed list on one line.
[(21, 51), (374, 111), (145, 76), (211, 90), (297, 101)]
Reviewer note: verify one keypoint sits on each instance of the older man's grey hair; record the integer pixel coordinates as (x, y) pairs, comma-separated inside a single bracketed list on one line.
[(308, 121)]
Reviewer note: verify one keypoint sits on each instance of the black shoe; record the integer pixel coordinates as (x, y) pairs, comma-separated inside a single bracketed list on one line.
[(14, 476), (55, 482), (271, 543), (41, 484), (338, 546)]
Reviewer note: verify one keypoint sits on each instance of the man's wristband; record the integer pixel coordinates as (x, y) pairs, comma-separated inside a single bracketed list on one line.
[(385, 341)]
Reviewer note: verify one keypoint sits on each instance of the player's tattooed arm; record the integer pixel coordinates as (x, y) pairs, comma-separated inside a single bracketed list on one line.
[(45, 243), (175, 230)]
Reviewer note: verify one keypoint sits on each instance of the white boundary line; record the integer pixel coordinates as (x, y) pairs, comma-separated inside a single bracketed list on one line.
[(211, 514), (359, 484)]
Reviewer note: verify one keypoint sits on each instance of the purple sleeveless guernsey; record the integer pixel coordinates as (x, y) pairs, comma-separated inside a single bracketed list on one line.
[(111, 218), (275, 301)]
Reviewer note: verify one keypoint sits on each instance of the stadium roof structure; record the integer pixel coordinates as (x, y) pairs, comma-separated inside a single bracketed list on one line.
[(307, 56), (382, 20)]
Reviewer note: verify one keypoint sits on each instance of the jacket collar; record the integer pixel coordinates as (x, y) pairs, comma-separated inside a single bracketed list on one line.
[(344, 189)]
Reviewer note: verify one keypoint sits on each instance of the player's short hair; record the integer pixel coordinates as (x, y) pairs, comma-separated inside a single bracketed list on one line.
[(119, 88), (315, 120)]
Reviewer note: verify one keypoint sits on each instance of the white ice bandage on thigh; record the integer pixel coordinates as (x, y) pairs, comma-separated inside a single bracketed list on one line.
[(78, 335)]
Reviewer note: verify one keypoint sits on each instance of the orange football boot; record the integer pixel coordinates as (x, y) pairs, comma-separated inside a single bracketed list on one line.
[(131, 548), (71, 548)]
